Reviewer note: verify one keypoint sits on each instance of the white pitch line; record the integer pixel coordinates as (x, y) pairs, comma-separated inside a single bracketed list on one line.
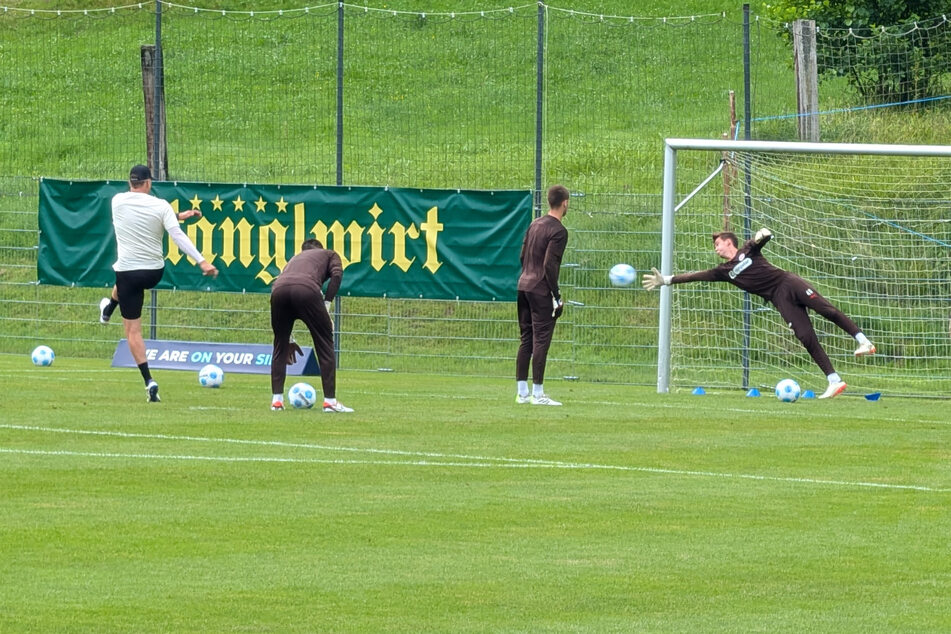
[(270, 443), (477, 461)]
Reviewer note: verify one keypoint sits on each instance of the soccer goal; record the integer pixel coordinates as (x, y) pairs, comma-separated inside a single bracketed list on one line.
[(868, 225)]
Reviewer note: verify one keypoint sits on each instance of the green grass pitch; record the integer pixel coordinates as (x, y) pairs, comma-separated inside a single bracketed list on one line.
[(441, 505)]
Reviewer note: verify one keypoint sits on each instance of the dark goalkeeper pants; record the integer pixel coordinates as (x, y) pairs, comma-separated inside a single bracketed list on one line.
[(288, 304), (536, 326), (793, 300)]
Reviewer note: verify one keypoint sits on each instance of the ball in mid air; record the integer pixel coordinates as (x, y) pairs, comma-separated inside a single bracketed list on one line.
[(622, 274), (788, 391)]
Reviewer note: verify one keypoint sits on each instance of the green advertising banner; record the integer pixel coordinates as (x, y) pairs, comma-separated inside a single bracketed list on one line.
[(422, 243)]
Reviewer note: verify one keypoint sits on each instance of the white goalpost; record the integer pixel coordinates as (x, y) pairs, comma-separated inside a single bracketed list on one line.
[(869, 225)]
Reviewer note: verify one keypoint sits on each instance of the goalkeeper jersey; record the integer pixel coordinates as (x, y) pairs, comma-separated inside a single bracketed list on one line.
[(312, 268), (542, 250), (748, 270)]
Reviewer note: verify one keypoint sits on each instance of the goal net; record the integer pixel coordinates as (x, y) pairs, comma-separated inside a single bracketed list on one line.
[(869, 226)]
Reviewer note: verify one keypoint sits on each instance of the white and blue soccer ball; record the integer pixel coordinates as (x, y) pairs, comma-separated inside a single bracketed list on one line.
[(622, 274), (788, 391), (42, 356), (211, 376), (302, 396)]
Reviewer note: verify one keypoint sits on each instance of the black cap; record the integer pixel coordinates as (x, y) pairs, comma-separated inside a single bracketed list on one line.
[(140, 173)]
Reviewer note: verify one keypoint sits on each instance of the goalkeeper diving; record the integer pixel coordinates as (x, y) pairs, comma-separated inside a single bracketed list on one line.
[(747, 269)]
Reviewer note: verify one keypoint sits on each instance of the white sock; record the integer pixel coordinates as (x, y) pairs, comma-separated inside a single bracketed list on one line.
[(277, 397), (861, 338), (522, 387), (330, 401), (537, 389), (834, 378)]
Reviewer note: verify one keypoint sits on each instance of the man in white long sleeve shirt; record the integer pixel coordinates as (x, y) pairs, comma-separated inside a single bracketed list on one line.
[(140, 222)]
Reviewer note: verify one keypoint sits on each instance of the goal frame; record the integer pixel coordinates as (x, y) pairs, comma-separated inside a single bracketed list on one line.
[(669, 207)]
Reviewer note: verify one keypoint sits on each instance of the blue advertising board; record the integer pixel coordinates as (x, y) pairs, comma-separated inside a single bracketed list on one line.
[(245, 358)]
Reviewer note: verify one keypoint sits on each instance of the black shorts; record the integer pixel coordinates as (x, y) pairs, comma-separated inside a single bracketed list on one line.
[(131, 287)]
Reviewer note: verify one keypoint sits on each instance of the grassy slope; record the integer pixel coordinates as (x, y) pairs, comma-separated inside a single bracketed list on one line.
[(706, 513)]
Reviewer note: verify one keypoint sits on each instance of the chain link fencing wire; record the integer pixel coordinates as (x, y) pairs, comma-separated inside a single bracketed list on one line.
[(431, 101)]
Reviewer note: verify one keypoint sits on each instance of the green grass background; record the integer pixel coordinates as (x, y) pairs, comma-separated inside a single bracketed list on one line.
[(440, 505)]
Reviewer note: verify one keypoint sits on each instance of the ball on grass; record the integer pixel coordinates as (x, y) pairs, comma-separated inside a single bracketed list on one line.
[(788, 391), (42, 356), (302, 395), (211, 376)]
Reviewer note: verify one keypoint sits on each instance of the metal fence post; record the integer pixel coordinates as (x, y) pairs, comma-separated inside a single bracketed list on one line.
[(539, 107), (336, 316), (747, 206)]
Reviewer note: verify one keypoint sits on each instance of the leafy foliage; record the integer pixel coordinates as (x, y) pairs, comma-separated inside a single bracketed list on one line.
[(888, 50)]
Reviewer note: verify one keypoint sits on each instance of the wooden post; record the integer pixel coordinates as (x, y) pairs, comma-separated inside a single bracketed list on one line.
[(807, 79), (159, 172)]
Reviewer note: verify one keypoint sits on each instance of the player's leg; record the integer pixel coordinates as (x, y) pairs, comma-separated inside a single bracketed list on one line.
[(283, 314), (526, 341), (543, 327), (811, 298), (321, 327), (130, 290), (796, 315), (107, 306)]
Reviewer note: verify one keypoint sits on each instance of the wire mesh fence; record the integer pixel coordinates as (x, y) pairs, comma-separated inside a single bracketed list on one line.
[(516, 98)]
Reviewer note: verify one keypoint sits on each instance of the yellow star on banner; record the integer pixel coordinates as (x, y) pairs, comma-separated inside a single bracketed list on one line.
[(281, 205), (238, 204), (216, 203), (260, 204), (196, 202)]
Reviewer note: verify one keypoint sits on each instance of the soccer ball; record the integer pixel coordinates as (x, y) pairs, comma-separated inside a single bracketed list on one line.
[(43, 356), (788, 391), (211, 376), (302, 395), (622, 274)]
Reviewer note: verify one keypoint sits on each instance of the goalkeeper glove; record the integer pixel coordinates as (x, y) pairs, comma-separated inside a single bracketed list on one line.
[(557, 306), (652, 280), (762, 236), (292, 351)]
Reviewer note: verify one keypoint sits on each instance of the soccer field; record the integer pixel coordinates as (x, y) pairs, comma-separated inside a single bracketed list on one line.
[(440, 505)]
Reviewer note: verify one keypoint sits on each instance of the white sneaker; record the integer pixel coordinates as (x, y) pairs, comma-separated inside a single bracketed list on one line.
[(151, 392), (521, 400), (543, 400), (864, 349), (277, 406), (103, 303), (337, 407), (834, 389)]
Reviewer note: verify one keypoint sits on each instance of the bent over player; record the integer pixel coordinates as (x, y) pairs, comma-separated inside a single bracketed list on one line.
[(748, 269), (296, 294)]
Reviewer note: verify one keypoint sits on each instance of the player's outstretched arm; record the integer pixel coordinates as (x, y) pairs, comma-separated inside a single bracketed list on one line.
[(762, 236), (655, 279)]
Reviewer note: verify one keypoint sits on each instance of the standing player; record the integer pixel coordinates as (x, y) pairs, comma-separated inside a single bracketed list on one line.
[(539, 299), (140, 222), (296, 294), (746, 268)]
